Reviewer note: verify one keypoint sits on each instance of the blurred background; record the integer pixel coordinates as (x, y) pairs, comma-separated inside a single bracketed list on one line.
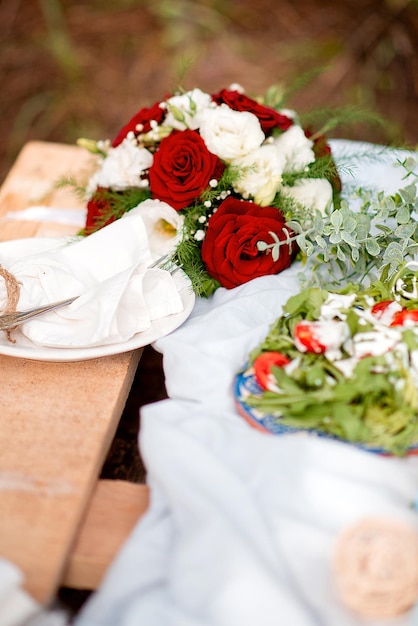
[(72, 68)]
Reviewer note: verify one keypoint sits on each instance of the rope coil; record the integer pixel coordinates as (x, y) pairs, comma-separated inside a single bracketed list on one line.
[(13, 293), (376, 567)]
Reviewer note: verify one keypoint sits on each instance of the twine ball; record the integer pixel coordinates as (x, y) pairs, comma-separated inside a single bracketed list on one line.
[(376, 567)]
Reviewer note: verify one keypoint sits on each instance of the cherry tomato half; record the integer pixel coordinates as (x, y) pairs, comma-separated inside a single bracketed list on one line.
[(306, 336), (262, 368), (406, 317), (380, 308)]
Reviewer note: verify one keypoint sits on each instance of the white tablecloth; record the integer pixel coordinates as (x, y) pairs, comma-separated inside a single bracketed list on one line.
[(241, 526)]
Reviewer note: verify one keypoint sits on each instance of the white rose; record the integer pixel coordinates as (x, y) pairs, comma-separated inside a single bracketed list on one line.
[(290, 113), (261, 174), (230, 134), (315, 193), (296, 148), (184, 111), (162, 223), (122, 167), (236, 87)]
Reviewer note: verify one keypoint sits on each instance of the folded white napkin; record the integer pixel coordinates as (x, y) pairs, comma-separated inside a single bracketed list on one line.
[(119, 295)]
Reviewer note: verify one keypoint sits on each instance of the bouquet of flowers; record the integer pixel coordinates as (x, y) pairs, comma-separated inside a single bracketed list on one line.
[(221, 175)]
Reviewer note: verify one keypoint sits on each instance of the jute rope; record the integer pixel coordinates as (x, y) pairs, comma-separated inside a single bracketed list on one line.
[(13, 294), (376, 567)]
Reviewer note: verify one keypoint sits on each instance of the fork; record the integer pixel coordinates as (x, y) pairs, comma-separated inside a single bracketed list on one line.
[(11, 320)]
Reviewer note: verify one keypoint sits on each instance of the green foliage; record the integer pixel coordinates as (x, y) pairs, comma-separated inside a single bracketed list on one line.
[(78, 187), (364, 244), (58, 41), (188, 251), (327, 119), (322, 167)]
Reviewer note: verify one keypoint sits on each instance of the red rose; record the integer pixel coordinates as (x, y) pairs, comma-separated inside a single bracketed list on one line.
[(269, 118), (99, 211), (229, 250), (144, 117), (182, 169)]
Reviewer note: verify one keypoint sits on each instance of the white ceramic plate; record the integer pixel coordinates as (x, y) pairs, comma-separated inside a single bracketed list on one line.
[(24, 348)]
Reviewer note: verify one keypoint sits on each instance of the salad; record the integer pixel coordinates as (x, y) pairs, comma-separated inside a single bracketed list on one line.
[(340, 363)]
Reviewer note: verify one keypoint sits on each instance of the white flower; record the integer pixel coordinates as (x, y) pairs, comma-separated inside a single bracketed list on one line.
[(199, 235), (162, 223), (184, 111), (261, 174), (230, 134), (236, 87), (266, 194), (315, 193), (290, 113), (122, 167), (296, 148)]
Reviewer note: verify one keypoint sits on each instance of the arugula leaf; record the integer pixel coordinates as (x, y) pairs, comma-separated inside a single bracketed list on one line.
[(307, 303)]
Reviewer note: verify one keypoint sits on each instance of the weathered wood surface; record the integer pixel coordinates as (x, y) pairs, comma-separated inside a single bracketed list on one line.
[(114, 510), (56, 419)]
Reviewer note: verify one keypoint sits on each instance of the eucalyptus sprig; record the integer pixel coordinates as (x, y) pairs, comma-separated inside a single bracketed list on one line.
[(359, 244)]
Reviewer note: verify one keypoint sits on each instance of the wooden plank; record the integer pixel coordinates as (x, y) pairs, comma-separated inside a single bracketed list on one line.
[(114, 510), (32, 181), (56, 419)]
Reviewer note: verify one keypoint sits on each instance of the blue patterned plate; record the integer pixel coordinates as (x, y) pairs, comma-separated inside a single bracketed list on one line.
[(245, 385)]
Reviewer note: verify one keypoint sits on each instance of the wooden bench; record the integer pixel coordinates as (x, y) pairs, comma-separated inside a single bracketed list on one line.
[(58, 523)]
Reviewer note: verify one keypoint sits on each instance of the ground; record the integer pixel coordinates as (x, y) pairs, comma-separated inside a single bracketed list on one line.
[(75, 69)]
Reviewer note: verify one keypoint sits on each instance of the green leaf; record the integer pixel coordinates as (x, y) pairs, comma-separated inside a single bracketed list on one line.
[(349, 224), (336, 219), (402, 215), (349, 238), (320, 241), (349, 419), (315, 376), (409, 164), (393, 252), (318, 224), (309, 248), (372, 247), (388, 206), (262, 246), (335, 238), (308, 303), (340, 254), (409, 194), (405, 231)]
